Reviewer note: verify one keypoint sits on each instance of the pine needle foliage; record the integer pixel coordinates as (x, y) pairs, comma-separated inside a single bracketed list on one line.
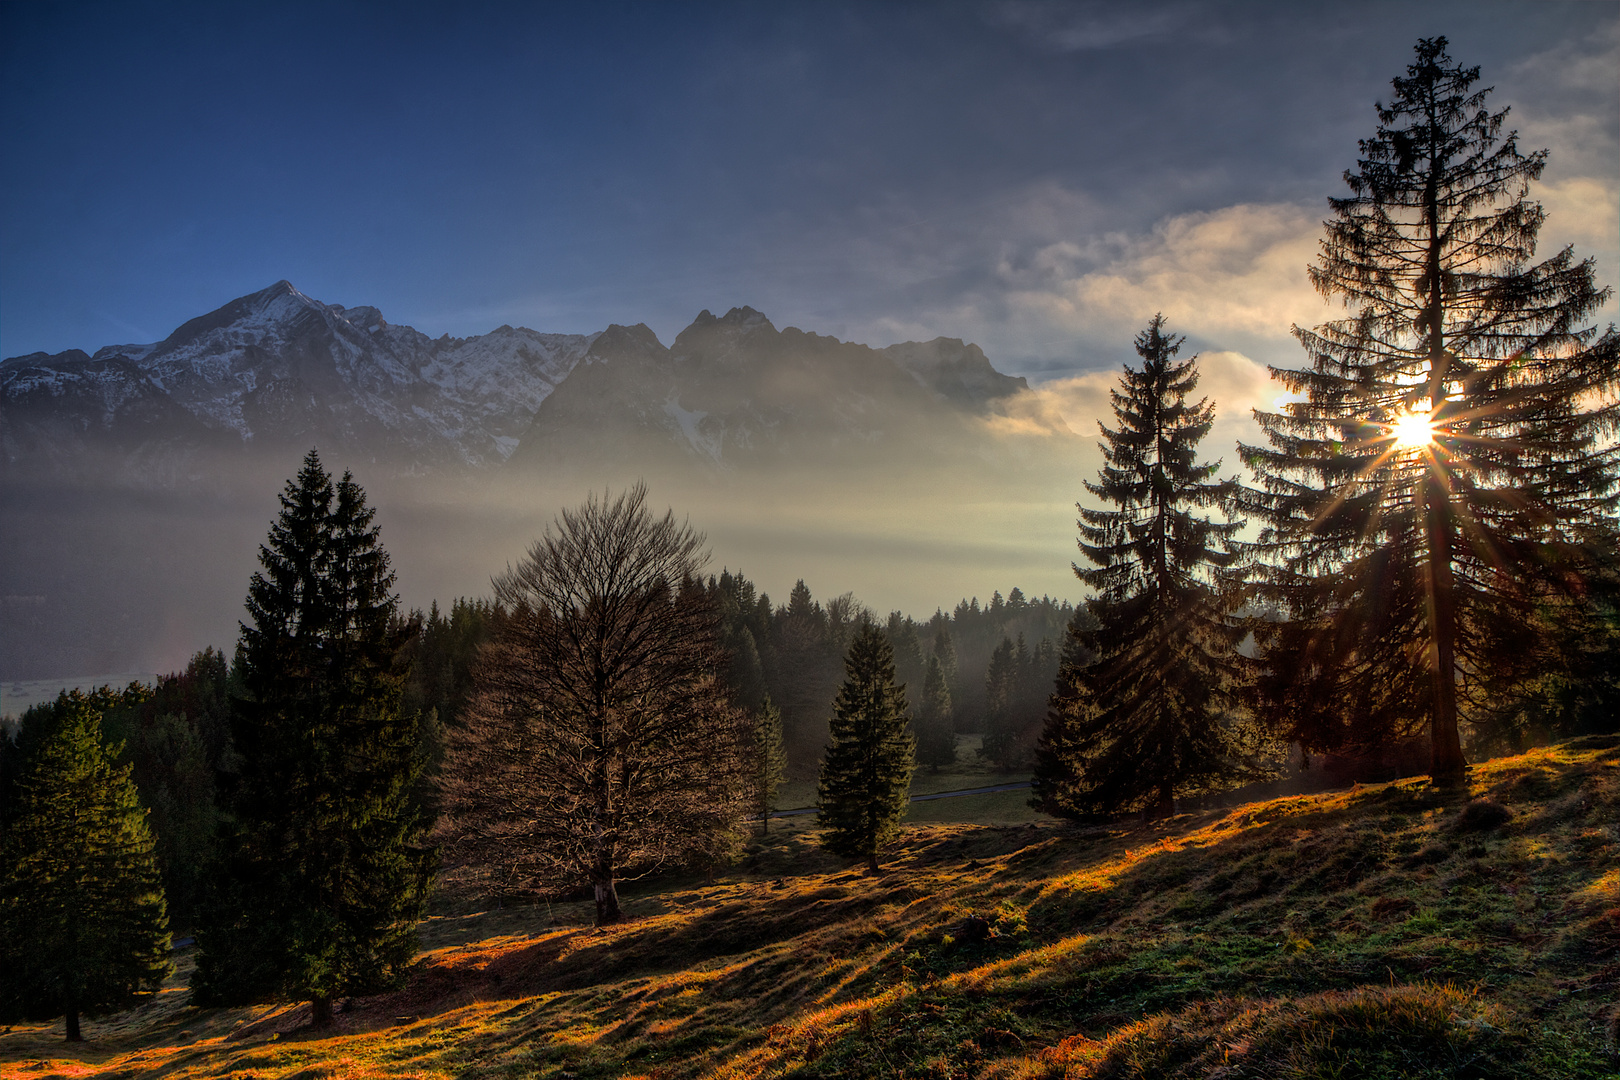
[(865, 780), (1446, 455), (1150, 716), (323, 873), (85, 930)]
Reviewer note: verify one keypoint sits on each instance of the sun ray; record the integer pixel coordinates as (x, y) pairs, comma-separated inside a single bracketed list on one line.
[(1413, 430)]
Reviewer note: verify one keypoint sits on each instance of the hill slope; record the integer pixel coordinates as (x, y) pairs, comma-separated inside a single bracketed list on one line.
[(1383, 931)]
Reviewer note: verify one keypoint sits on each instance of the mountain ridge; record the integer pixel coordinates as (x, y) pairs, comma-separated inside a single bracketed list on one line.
[(277, 367)]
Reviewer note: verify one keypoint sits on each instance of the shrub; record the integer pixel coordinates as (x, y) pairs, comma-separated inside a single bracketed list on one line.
[(1482, 815)]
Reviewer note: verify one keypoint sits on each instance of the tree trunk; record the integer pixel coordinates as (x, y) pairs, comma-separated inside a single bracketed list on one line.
[(1445, 744), (320, 1011), (1166, 806), (871, 862), (607, 903), (73, 1033)]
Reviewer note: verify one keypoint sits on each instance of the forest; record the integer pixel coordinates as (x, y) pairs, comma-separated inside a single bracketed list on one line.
[(1420, 572)]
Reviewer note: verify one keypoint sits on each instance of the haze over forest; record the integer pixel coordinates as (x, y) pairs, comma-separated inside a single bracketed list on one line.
[(1012, 188)]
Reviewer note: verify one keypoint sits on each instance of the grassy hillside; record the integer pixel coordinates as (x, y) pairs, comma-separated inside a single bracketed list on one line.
[(1383, 931)]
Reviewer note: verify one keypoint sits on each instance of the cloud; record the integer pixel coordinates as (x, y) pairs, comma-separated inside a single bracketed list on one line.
[(1084, 27), (1234, 382), (1564, 99), (1231, 278), (1583, 211), (1236, 271)]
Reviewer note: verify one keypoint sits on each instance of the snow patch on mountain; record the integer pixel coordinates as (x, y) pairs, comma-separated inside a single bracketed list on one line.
[(691, 425), (278, 367), (245, 364)]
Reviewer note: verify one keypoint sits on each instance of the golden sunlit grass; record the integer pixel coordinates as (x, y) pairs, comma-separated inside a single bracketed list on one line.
[(1307, 933)]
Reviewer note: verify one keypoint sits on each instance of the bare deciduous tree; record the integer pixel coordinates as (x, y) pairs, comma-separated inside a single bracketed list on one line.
[(600, 743)]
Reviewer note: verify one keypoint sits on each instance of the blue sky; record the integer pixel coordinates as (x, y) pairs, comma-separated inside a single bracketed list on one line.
[(1036, 177)]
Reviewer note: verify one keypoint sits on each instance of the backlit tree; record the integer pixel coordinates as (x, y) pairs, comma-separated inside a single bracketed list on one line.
[(934, 721), (601, 742), (769, 761), (1436, 475), (1149, 717), (866, 771)]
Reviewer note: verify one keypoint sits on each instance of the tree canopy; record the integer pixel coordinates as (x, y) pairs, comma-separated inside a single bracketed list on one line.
[(322, 874), (1443, 468), (601, 741), (866, 771), (81, 902), (1144, 708)]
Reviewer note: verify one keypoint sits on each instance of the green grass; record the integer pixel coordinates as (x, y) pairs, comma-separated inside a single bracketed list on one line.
[(969, 771), (1385, 931)]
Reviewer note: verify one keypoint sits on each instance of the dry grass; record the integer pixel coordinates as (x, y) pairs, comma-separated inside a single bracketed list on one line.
[(1388, 930)]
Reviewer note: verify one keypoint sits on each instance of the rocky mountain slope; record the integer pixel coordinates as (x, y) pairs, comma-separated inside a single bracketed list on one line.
[(279, 369), (734, 392)]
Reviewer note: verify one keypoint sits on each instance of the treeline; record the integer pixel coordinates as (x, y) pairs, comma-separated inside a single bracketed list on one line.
[(174, 738), (996, 664), (175, 735)]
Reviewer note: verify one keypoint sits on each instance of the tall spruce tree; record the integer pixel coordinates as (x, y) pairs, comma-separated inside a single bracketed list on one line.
[(1001, 679), (1147, 720), (83, 928), (322, 877), (1437, 474), (945, 650), (866, 771)]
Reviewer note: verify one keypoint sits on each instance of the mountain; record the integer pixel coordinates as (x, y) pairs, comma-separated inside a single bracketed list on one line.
[(136, 482), (279, 370), (735, 392)]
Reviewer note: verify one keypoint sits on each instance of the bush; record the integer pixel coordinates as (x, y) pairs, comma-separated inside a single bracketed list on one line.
[(1482, 815)]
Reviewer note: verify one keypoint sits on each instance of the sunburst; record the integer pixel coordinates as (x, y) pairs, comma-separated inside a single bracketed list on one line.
[(1412, 430)]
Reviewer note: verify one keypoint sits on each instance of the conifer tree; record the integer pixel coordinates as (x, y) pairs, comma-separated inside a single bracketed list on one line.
[(83, 929), (936, 727), (1144, 721), (945, 650), (770, 761), (1437, 474), (322, 877), (1001, 680), (866, 771)]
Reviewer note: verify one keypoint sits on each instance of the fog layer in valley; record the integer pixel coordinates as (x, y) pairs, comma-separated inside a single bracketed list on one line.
[(140, 481)]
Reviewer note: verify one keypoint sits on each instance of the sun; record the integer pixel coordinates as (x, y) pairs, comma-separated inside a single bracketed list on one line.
[(1412, 430)]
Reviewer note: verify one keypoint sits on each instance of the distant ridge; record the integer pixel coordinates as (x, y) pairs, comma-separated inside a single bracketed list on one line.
[(277, 369)]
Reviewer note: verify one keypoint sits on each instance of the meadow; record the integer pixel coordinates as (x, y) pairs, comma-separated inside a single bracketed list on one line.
[(1385, 930)]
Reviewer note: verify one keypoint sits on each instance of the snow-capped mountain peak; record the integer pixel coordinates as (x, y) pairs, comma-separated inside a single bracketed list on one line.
[(278, 364), (278, 367)]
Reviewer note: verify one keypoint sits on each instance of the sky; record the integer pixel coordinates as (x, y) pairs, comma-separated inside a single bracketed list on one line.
[(1036, 177)]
